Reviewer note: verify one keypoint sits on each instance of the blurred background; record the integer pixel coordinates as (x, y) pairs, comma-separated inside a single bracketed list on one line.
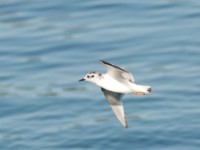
[(47, 46)]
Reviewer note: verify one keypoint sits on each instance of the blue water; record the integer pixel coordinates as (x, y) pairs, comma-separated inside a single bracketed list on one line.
[(47, 46)]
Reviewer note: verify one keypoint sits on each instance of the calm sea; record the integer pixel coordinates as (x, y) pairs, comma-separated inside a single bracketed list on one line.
[(47, 46)]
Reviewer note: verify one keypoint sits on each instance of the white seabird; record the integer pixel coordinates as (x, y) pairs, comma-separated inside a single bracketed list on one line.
[(114, 84)]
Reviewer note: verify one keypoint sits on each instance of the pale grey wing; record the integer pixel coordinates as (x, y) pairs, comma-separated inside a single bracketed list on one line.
[(117, 72), (114, 99)]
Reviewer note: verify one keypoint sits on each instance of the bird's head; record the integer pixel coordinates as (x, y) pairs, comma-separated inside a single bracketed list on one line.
[(91, 77)]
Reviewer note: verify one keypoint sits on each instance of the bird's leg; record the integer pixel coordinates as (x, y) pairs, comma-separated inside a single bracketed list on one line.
[(138, 93)]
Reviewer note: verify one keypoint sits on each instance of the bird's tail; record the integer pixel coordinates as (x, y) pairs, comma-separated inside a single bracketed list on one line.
[(148, 89), (142, 90)]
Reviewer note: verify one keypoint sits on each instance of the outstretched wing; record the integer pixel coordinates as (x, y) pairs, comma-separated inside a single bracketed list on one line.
[(114, 99), (117, 72)]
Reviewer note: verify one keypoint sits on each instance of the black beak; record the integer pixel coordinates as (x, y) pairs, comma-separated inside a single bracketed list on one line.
[(81, 80)]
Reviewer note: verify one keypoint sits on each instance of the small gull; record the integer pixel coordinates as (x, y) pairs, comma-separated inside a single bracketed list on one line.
[(114, 84)]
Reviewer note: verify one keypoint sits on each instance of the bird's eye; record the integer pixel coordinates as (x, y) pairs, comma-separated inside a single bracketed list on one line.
[(92, 76), (88, 76)]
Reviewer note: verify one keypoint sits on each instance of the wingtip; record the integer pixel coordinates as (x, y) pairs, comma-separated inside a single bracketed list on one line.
[(105, 62), (124, 123), (101, 61)]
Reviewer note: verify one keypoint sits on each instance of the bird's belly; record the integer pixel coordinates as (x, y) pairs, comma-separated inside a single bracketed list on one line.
[(115, 86)]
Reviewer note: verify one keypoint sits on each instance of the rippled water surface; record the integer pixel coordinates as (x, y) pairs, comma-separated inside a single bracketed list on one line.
[(47, 46)]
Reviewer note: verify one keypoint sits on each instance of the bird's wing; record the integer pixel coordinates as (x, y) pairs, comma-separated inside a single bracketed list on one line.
[(117, 72), (114, 99)]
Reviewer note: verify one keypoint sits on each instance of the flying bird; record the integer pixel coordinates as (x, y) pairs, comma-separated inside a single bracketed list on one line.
[(114, 84)]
